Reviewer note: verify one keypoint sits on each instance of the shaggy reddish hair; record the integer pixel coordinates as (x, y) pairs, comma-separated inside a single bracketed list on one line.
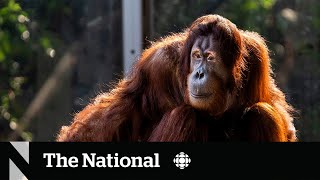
[(152, 104)]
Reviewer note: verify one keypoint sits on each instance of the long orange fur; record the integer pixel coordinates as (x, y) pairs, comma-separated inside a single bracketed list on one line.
[(151, 105)]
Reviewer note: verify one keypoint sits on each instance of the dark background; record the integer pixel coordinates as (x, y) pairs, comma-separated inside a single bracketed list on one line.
[(56, 55)]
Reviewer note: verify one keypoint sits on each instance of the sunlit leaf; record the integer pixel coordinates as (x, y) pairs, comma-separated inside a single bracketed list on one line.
[(5, 99), (27, 136), (12, 5), (250, 5), (2, 56), (21, 27), (267, 4), (45, 42)]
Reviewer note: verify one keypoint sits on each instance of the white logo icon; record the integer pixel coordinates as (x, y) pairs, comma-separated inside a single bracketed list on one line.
[(182, 160)]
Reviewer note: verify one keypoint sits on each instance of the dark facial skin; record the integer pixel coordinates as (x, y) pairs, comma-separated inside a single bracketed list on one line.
[(208, 77)]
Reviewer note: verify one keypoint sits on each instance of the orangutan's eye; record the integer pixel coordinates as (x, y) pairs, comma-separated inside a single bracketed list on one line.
[(196, 55)]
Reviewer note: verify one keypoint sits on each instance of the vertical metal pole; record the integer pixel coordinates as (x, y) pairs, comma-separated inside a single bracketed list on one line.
[(132, 32)]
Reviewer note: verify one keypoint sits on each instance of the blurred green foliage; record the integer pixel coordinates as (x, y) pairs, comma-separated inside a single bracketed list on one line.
[(249, 14), (19, 47), (14, 56), (31, 32)]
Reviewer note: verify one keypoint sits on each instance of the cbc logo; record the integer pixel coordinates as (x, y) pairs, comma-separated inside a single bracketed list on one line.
[(182, 160)]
